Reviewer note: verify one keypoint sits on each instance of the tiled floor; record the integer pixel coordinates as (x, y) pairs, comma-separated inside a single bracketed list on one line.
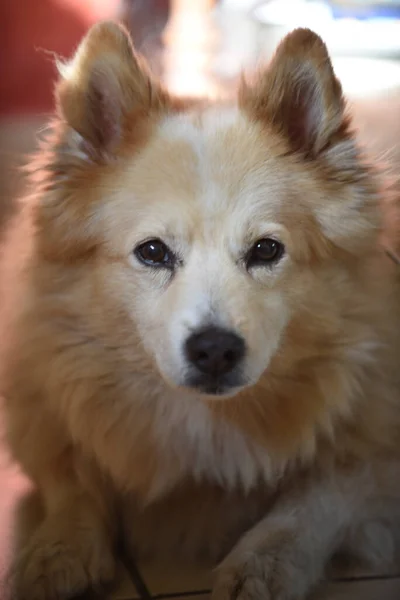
[(166, 581), (378, 119), (354, 590)]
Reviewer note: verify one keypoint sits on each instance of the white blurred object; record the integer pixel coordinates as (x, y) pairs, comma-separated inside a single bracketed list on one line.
[(363, 77), (238, 4), (293, 13), (190, 44), (373, 37)]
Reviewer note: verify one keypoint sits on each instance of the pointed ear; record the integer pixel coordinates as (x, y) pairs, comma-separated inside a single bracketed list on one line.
[(104, 87), (298, 93)]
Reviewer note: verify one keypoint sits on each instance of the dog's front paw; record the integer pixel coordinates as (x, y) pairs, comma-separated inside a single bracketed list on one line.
[(245, 581), (273, 573), (59, 569)]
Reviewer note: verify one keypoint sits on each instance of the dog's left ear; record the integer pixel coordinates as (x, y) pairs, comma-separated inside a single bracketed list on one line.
[(298, 93), (105, 88)]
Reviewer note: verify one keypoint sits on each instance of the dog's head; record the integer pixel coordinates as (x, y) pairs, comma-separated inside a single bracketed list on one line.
[(205, 229)]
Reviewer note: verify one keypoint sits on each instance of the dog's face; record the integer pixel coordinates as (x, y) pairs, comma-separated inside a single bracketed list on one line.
[(206, 255), (210, 221)]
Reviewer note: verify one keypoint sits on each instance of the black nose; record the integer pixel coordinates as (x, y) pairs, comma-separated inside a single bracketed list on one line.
[(215, 351)]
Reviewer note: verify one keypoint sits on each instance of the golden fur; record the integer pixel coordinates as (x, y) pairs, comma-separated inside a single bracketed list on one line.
[(289, 468)]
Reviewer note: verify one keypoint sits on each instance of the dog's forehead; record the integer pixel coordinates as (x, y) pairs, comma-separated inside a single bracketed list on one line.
[(213, 158), (223, 143), (199, 127), (202, 174)]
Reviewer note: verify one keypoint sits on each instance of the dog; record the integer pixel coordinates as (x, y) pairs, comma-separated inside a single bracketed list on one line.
[(205, 361)]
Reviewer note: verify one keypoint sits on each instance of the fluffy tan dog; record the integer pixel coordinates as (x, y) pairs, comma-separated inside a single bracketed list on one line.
[(207, 362)]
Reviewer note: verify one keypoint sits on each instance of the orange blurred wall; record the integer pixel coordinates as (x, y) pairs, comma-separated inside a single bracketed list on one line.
[(30, 32)]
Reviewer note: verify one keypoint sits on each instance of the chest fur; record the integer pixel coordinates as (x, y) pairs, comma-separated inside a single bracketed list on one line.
[(191, 442)]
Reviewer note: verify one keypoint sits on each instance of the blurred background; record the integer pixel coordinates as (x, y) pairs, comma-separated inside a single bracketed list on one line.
[(195, 46)]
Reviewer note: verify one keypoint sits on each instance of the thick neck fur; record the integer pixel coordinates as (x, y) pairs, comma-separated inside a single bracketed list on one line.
[(150, 436)]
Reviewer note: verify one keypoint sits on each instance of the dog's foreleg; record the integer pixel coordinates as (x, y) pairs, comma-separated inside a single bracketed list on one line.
[(284, 556)]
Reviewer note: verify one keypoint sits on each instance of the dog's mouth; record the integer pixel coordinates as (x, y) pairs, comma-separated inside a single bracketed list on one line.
[(222, 387)]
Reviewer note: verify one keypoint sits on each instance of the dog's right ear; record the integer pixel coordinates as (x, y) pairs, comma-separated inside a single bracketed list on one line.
[(106, 87)]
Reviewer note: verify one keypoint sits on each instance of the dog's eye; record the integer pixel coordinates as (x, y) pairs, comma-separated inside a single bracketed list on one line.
[(264, 252), (155, 253)]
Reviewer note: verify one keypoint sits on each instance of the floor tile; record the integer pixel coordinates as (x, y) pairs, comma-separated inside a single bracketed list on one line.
[(124, 590), (165, 580), (194, 596), (388, 589), (174, 579), (362, 590)]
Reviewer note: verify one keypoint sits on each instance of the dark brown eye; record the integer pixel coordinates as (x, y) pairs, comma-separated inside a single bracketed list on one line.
[(265, 252), (155, 254)]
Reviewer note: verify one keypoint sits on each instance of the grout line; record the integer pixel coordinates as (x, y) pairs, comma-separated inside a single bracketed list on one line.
[(181, 594), (365, 578), (137, 579), (395, 258), (194, 593)]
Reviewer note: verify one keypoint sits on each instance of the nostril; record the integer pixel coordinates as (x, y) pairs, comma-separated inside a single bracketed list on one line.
[(215, 351), (230, 355)]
